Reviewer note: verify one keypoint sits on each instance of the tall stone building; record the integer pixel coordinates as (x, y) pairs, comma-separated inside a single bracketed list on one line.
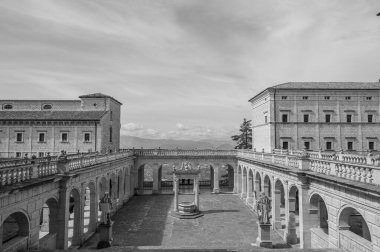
[(40, 126), (317, 115)]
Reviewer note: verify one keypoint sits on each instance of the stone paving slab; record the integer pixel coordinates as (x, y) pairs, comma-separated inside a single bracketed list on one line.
[(144, 224)]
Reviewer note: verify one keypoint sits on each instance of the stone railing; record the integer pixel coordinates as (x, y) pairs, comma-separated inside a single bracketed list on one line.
[(179, 152), (369, 174), (353, 242), (39, 168), (319, 239), (367, 158)]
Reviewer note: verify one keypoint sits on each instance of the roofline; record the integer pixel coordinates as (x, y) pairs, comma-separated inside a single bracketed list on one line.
[(106, 96), (278, 88), (18, 100), (2, 119)]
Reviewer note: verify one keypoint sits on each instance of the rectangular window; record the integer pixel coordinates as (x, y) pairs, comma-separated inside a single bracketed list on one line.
[(371, 145), (87, 137), (328, 145), (266, 119), (305, 97), (349, 118), (18, 154), (285, 118), (110, 134), (284, 97), (327, 97), (41, 137), (285, 145), (348, 97), (306, 118), (307, 145), (19, 137), (370, 118), (350, 145), (328, 118), (40, 154), (65, 137), (368, 98)]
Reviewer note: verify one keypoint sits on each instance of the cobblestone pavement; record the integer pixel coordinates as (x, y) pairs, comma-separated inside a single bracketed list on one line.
[(144, 223)]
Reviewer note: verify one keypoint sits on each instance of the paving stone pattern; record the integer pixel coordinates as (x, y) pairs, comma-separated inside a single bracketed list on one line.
[(144, 224)]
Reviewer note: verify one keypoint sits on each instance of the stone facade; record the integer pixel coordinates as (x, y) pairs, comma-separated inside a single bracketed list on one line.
[(41, 126), (327, 116)]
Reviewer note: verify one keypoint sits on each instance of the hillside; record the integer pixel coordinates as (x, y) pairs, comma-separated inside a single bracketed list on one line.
[(137, 142)]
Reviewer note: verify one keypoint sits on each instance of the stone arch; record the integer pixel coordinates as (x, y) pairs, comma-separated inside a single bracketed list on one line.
[(267, 186), (226, 173), (16, 225), (74, 232), (351, 220), (244, 182), (120, 184), (258, 183), (90, 208), (141, 178), (113, 186), (318, 214), (279, 205), (48, 221)]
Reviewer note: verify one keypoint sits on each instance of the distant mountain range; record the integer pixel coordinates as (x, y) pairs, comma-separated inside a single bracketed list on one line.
[(127, 142)]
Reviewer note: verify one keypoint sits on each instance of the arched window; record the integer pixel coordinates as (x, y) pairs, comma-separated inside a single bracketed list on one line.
[(7, 106), (46, 106)]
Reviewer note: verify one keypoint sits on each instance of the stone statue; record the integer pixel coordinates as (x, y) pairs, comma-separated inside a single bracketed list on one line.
[(105, 205), (264, 208)]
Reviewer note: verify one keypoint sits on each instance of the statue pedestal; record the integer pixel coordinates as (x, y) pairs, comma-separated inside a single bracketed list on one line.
[(263, 240), (105, 235)]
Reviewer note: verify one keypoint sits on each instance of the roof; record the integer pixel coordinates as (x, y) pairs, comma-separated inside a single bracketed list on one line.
[(52, 115), (324, 86), (99, 95)]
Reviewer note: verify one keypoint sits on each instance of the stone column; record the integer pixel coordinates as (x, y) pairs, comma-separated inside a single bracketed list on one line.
[(249, 191), (308, 217), (63, 214), (244, 186), (238, 182), (176, 189), (196, 192), (235, 181), (276, 209), (291, 235), (216, 179), (156, 179)]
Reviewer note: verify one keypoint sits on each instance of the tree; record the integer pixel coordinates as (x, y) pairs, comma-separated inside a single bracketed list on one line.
[(244, 139)]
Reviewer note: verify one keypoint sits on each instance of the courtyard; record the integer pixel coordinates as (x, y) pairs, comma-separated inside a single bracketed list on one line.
[(144, 223)]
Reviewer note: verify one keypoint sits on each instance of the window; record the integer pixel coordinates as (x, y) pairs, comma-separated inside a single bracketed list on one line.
[(40, 154), (328, 118), (285, 145), (305, 97), (305, 118), (350, 145), (349, 118), (285, 118), (327, 97), (46, 106), (328, 145), (284, 97), (368, 98), (371, 145), (111, 116), (307, 145), (110, 134), (7, 106), (87, 137), (19, 137), (348, 97), (266, 119), (18, 154), (41, 137), (65, 137), (370, 118)]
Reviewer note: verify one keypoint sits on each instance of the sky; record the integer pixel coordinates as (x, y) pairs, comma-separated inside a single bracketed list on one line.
[(183, 69)]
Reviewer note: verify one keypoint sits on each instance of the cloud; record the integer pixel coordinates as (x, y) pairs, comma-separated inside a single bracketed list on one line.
[(185, 68)]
